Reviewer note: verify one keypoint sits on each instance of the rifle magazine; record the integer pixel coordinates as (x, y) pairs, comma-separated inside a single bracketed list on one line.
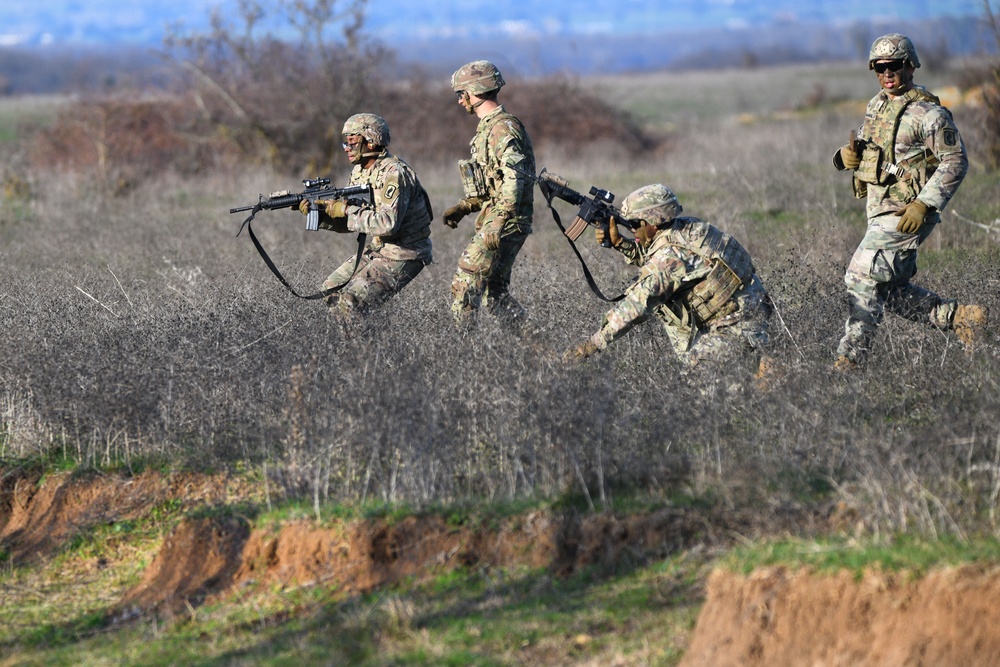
[(576, 228)]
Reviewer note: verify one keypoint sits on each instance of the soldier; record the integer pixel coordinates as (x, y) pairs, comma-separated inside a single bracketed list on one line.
[(698, 280), (399, 219), (909, 162), (502, 195)]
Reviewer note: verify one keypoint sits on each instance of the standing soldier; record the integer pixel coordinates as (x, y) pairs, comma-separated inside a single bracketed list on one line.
[(502, 194), (909, 161), (696, 279), (399, 218)]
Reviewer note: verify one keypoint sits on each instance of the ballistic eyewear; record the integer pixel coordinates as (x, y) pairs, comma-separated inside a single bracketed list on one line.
[(891, 66)]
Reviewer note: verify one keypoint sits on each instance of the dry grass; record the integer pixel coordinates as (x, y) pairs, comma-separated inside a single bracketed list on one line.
[(139, 330)]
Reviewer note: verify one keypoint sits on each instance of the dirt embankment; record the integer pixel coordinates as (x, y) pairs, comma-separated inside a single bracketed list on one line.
[(780, 617), (772, 617)]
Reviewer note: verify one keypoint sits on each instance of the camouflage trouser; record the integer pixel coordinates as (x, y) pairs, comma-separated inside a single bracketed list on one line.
[(878, 278), (731, 337), (483, 279), (376, 279)]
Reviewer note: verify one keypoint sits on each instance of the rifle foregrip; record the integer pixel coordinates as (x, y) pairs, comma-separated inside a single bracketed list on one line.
[(286, 201)]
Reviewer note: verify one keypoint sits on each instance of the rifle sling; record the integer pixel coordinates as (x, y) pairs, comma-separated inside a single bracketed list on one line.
[(586, 271), (362, 239)]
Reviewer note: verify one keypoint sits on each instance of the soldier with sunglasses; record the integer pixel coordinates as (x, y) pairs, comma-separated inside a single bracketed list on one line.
[(908, 162)]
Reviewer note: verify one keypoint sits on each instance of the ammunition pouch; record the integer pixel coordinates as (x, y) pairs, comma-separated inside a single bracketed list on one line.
[(712, 298), (473, 179), (871, 169)]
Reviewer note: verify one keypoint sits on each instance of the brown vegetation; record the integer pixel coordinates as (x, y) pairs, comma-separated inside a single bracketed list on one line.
[(141, 335)]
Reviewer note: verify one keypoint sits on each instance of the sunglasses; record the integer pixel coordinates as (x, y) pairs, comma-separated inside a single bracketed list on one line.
[(890, 66)]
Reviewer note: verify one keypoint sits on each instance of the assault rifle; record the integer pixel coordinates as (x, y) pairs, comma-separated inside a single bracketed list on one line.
[(315, 190), (595, 210)]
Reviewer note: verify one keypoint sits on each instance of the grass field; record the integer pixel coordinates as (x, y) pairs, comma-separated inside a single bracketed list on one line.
[(141, 334)]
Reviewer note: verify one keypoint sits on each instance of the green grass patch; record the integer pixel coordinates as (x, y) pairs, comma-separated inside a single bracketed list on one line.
[(898, 553)]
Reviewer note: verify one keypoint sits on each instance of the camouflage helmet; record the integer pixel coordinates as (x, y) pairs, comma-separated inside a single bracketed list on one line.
[(655, 204), (477, 77), (368, 125), (893, 47)]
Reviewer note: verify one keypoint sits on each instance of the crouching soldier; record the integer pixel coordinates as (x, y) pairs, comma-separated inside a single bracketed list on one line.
[(696, 279)]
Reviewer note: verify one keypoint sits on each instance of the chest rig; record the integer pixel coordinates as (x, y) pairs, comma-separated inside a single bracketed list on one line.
[(479, 176), (878, 160), (711, 299)]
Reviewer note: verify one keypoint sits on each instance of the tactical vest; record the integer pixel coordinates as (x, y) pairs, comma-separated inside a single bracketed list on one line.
[(485, 175), (878, 160), (414, 226), (732, 268)]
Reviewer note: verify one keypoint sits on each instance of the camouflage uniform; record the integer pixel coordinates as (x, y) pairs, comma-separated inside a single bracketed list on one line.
[(697, 280), (399, 220), (505, 208), (915, 137)]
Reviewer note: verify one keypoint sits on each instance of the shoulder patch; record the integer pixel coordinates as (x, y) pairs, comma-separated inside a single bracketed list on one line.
[(390, 192)]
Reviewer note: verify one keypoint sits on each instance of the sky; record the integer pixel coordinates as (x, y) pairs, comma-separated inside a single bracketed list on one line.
[(144, 21)]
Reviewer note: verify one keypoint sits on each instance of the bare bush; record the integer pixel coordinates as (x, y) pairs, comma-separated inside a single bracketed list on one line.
[(139, 330)]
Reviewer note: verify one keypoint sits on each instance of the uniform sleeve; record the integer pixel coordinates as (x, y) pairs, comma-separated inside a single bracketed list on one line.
[(391, 197), (943, 140), (632, 251), (509, 151), (657, 283)]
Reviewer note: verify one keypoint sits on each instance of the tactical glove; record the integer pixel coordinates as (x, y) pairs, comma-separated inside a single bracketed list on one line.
[(335, 208), (911, 217), (491, 240), (613, 234), (849, 157), (580, 351), (454, 215), (644, 235), (304, 207)]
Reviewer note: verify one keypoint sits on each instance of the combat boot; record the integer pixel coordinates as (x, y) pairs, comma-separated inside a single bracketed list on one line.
[(844, 364), (768, 373), (969, 324)]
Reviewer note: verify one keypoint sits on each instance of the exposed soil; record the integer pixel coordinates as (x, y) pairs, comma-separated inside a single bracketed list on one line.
[(781, 617), (774, 616)]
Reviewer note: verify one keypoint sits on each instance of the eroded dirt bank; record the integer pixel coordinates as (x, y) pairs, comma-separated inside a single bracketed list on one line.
[(773, 617), (203, 558), (776, 616)]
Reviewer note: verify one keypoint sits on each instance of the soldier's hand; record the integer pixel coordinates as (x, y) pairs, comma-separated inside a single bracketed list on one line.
[(613, 236), (849, 157), (911, 217), (579, 352), (304, 207), (335, 208), (452, 216), (491, 240), (645, 234)]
